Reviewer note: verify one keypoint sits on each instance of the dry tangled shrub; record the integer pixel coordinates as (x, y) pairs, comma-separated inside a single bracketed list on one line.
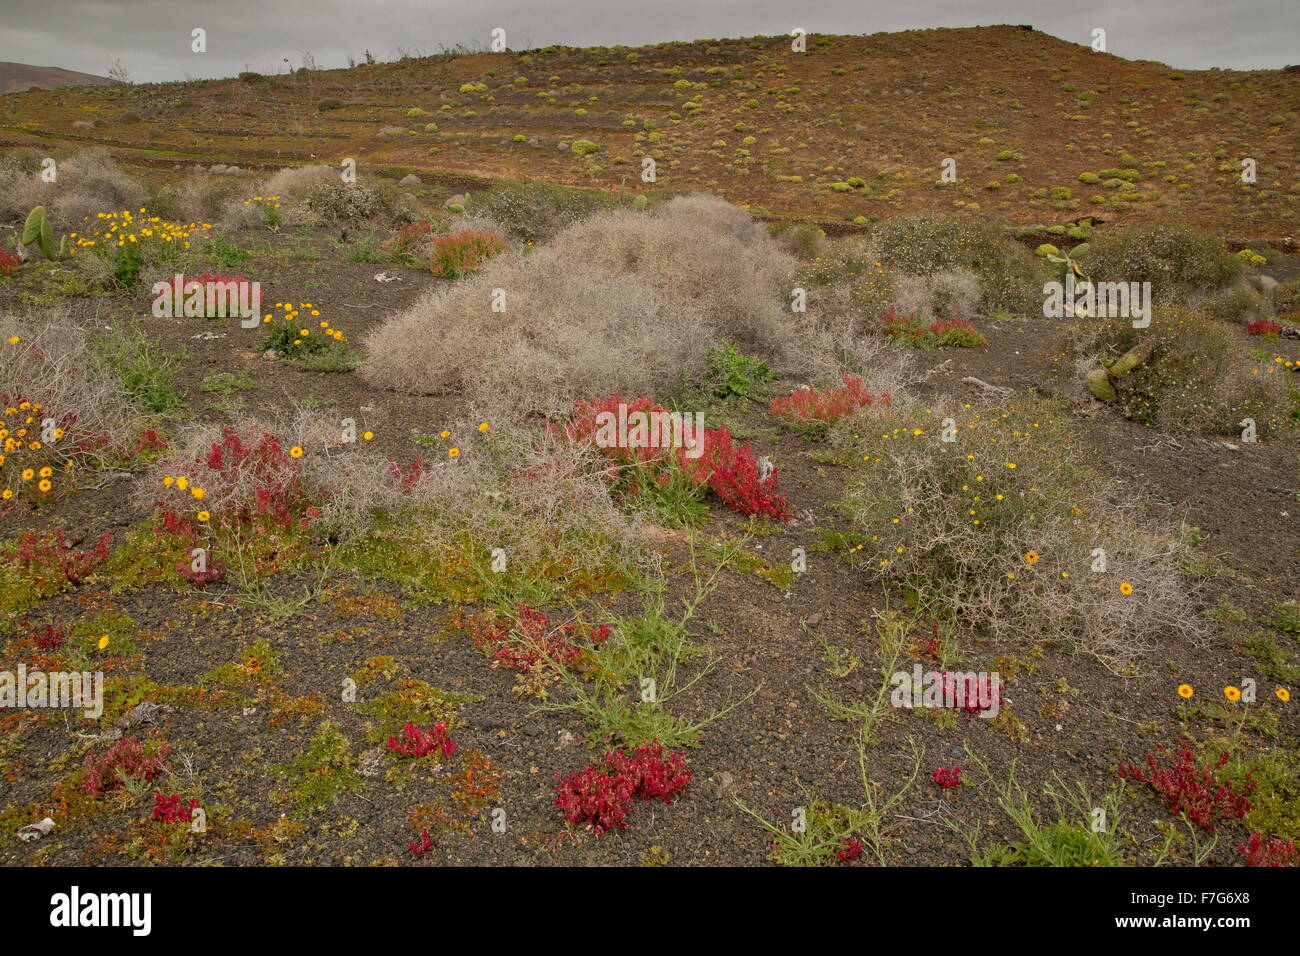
[(950, 294), (50, 364), (1000, 529), (542, 501), (88, 183), (293, 185), (623, 301)]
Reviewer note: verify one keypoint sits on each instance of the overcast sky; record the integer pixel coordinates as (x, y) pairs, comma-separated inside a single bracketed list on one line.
[(151, 38)]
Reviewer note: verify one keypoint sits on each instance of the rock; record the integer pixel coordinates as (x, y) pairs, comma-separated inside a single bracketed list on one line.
[(457, 200), (410, 179), (814, 619), (34, 831)]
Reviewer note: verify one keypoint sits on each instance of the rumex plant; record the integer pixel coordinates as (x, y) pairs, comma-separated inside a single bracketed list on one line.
[(911, 331), (1187, 787), (462, 253), (729, 470), (127, 759), (600, 799), (1275, 852), (172, 810), (945, 778), (532, 640), (416, 743), (1264, 328), (50, 554), (814, 410)]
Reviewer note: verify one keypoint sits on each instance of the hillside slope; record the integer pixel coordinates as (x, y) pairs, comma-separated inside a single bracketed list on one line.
[(854, 127)]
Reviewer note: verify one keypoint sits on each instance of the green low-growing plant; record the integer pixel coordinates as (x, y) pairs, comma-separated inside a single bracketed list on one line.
[(144, 369)]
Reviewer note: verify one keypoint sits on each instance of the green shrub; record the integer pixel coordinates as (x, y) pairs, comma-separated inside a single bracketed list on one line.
[(584, 147), (924, 244), (536, 211), (1175, 259)]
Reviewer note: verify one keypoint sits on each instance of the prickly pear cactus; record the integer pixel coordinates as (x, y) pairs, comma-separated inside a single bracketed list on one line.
[(37, 231)]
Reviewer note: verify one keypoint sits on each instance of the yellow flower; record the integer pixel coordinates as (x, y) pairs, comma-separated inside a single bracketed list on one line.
[(1031, 557), (1185, 691), (445, 434), (483, 426), (44, 484), (203, 516), (103, 642), (197, 492), (295, 452), (28, 474), (453, 452), (1125, 588), (1283, 694), (1232, 693), (168, 480), (59, 433), (367, 435)]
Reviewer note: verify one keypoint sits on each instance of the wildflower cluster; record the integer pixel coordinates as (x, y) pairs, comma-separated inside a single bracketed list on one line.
[(29, 464), (269, 207), (1188, 788), (246, 477), (128, 239), (298, 330), (601, 799), (995, 514)]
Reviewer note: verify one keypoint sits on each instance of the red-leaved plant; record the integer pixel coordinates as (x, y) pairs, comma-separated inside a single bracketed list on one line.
[(1189, 788), (600, 799), (418, 743), (532, 640), (125, 759), (731, 471), (1275, 852), (816, 409)]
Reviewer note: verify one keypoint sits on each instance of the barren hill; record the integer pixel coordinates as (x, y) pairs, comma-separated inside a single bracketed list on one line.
[(20, 77), (1040, 130)]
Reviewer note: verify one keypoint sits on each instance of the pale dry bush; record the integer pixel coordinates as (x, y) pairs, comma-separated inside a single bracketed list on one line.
[(88, 183), (564, 335), (541, 499), (52, 365), (835, 340), (622, 301), (1024, 572), (293, 185), (950, 294), (698, 248)]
